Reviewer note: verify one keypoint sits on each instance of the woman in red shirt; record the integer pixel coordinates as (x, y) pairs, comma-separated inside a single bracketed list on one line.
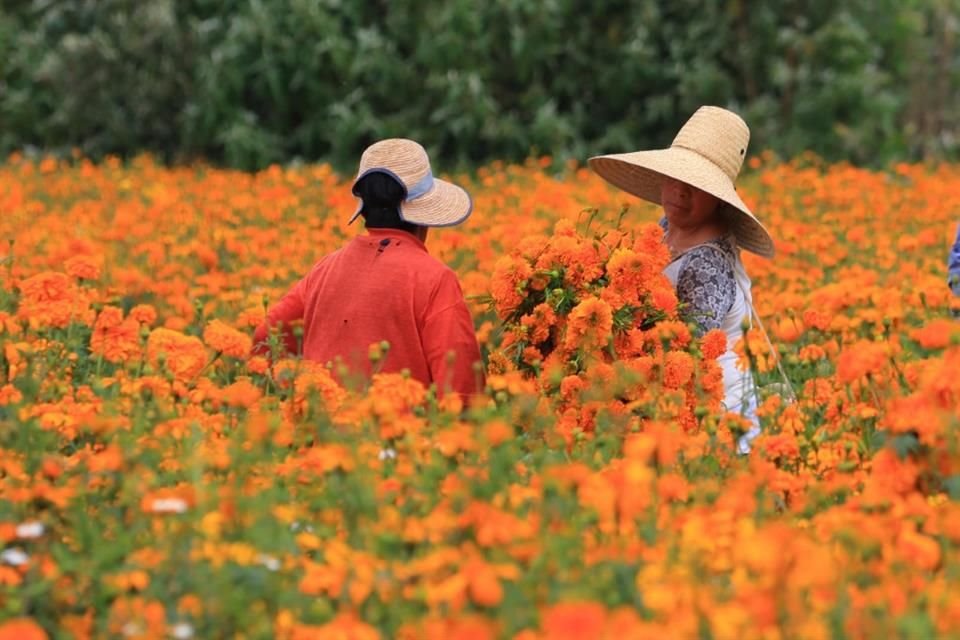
[(384, 286)]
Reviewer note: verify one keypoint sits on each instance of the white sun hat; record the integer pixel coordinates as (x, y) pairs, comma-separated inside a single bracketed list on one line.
[(429, 201), (708, 154)]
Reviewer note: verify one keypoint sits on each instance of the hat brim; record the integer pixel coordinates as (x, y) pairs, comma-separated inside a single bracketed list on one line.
[(445, 205), (641, 173)]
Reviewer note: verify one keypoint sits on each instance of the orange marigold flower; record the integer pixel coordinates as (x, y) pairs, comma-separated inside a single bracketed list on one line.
[(258, 364), (678, 369), (665, 299), (183, 356), (241, 393), (144, 314), (84, 267), (462, 627), (224, 339), (106, 460), (8, 324), (814, 319), (918, 549), (509, 276), (316, 380), (109, 317), (812, 353), (626, 267), (9, 394), (780, 445), (320, 579), (22, 629), (497, 432), (619, 298), (539, 322), (574, 620), (79, 626), (936, 334), (786, 330), (483, 583), (889, 475), (394, 393), (589, 325), (648, 242), (673, 487), (345, 626), (116, 339), (860, 359), (532, 356), (52, 299), (580, 259), (570, 386), (252, 316), (148, 616), (713, 344)]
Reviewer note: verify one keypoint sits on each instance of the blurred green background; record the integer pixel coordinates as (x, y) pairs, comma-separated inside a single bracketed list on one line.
[(247, 83)]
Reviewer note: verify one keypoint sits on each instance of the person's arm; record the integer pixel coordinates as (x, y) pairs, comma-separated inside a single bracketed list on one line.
[(706, 288), (281, 316), (450, 342), (953, 266)]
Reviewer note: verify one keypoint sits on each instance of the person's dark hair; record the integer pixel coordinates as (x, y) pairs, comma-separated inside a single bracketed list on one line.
[(382, 194)]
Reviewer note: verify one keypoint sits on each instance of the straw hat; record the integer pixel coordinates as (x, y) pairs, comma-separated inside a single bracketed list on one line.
[(707, 154), (429, 202)]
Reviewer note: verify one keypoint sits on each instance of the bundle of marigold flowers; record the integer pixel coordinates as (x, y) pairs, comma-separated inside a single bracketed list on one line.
[(594, 320)]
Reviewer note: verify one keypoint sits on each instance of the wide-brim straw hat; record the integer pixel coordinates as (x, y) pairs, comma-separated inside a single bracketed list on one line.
[(429, 201), (708, 154)]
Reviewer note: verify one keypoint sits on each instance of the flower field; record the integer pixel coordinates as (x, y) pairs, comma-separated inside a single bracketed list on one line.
[(156, 482)]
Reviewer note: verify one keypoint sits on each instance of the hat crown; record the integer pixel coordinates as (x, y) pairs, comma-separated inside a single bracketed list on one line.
[(405, 159), (719, 135)]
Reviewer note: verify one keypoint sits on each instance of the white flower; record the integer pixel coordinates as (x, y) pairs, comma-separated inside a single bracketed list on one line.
[(14, 557), (299, 526), (131, 629), (181, 631), (168, 505), (30, 530), (269, 562), (387, 454)]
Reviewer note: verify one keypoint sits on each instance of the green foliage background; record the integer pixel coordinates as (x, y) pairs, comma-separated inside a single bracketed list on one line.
[(251, 82)]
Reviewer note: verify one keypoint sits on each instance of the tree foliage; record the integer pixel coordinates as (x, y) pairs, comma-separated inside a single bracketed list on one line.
[(251, 82)]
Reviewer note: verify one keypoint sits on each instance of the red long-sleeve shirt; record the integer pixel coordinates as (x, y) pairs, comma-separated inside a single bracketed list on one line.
[(382, 287)]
